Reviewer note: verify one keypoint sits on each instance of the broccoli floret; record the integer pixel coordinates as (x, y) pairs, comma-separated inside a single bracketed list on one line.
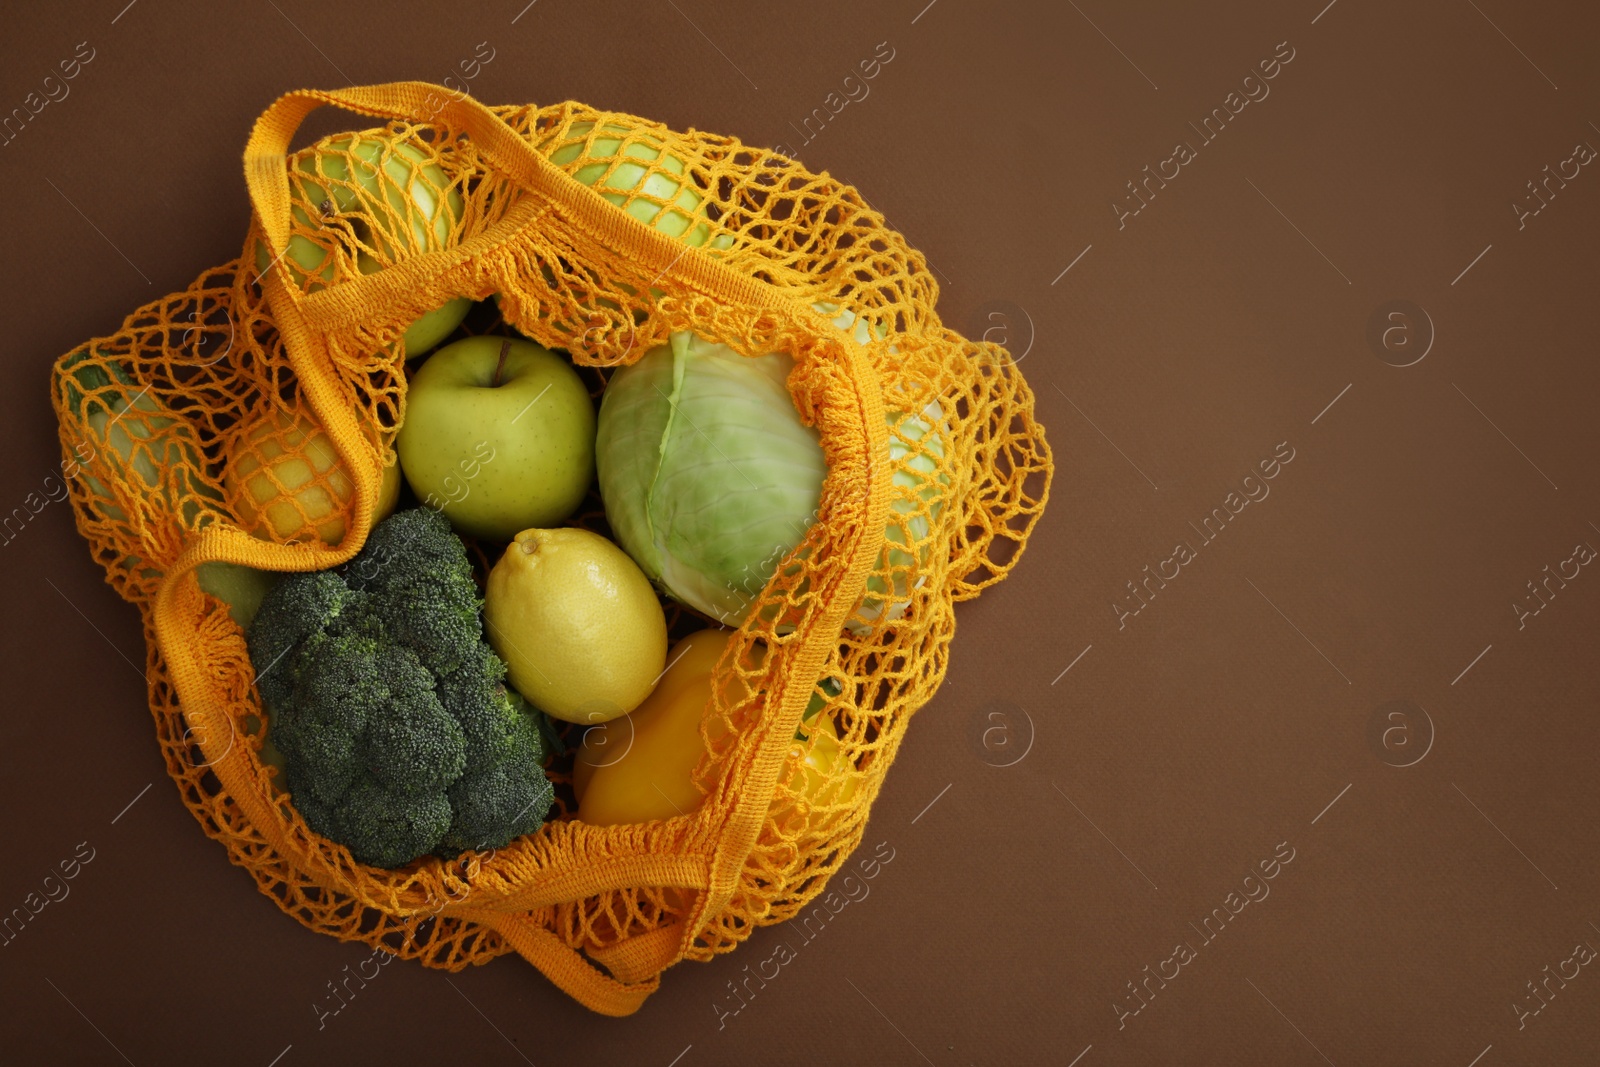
[(398, 733), (392, 828), (421, 583), (414, 746), (296, 609), (508, 797), (492, 807), (407, 544), (440, 623), (475, 694), (336, 690)]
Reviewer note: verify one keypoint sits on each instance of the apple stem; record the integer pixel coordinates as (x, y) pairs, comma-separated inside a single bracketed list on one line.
[(500, 364)]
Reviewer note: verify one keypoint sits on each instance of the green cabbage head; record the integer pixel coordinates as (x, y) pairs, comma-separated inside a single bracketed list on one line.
[(709, 477)]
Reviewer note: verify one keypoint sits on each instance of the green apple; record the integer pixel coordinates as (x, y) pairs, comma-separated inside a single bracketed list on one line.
[(679, 213), (399, 202), (434, 326), (617, 181), (429, 328), (499, 435), (241, 588)]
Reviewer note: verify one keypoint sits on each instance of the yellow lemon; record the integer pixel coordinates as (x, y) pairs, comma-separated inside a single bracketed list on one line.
[(577, 623), (284, 478)]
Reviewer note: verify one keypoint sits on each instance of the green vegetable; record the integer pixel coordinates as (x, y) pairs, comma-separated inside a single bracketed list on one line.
[(825, 691), (708, 476), (710, 479), (398, 734)]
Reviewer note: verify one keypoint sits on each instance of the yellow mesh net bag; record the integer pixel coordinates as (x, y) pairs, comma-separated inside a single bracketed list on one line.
[(251, 419)]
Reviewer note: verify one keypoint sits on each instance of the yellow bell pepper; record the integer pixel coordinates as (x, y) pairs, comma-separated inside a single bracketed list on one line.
[(640, 767)]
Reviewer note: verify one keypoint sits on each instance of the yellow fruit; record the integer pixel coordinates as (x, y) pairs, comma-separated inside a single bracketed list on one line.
[(820, 764), (642, 767), (284, 477), (577, 623)]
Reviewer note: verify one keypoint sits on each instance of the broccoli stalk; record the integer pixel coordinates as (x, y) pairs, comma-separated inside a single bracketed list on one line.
[(399, 735)]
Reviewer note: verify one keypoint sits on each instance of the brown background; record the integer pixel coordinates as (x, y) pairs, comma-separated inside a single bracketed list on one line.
[(1177, 752)]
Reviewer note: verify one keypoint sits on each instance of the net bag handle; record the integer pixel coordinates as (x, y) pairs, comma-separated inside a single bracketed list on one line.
[(508, 153)]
